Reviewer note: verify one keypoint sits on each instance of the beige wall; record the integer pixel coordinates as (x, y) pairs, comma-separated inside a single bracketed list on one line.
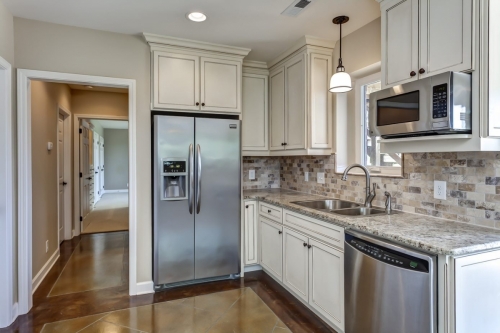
[(45, 99), (116, 159), (52, 47), (99, 103)]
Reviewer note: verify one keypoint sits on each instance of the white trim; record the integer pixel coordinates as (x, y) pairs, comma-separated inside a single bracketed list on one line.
[(45, 270), (24, 76), (78, 226), (145, 288), (67, 172), (8, 308), (115, 191), (252, 268)]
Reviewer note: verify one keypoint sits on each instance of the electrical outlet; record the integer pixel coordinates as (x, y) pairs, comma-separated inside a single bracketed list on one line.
[(439, 190), (46, 246), (306, 176), (321, 177), (251, 174)]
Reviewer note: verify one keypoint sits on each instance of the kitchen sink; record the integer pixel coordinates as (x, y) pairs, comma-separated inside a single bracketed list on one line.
[(328, 205), (362, 211)]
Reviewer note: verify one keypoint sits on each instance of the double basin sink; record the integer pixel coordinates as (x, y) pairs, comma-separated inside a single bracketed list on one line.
[(340, 207)]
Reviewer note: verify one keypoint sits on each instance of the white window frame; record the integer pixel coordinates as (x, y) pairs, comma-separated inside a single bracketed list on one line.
[(360, 121)]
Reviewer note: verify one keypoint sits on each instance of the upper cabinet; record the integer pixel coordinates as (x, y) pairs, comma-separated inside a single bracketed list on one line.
[(194, 76), (300, 106), (425, 37)]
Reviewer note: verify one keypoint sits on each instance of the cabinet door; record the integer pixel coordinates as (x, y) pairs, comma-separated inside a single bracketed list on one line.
[(296, 262), (251, 233), (321, 102), (446, 32), (220, 85), (295, 103), (176, 81), (277, 106), (255, 112), (326, 286), (271, 248), (399, 42), (494, 70)]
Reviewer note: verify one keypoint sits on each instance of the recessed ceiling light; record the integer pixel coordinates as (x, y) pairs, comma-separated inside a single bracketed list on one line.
[(89, 87), (196, 17)]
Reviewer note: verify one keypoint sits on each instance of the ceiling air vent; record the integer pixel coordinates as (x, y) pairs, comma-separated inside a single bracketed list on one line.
[(296, 7)]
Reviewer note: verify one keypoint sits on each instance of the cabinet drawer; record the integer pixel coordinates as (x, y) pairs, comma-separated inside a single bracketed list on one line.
[(271, 212), (321, 230)]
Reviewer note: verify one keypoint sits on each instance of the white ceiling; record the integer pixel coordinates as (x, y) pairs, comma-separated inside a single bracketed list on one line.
[(256, 24), (113, 124)]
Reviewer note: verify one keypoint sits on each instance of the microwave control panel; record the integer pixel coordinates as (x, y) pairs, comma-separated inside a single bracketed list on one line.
[(440, 101)]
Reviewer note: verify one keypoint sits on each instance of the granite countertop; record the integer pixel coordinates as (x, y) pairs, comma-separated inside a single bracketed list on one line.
[(427, 233)]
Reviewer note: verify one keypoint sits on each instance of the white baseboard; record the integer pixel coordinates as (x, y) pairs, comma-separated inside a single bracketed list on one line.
[(252, 268), (114, 191), (145, 288), (45, 269)]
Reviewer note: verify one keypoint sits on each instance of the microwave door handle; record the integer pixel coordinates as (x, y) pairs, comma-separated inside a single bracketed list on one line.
[(198, 189), (191, 178)]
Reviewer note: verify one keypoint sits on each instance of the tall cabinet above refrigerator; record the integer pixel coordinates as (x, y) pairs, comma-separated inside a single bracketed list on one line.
[(196, 199)]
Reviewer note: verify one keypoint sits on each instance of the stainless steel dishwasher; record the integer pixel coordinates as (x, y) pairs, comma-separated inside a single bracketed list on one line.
[(389, 288)]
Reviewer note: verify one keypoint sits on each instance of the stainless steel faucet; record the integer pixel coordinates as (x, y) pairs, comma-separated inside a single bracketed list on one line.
[(369, 194), (388, 208)]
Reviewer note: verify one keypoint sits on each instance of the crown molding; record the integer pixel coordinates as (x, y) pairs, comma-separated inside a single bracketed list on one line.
[(153, 39), (303, 41), (255, 64)]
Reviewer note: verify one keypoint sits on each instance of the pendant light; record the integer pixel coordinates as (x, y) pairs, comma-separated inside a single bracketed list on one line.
[(340, 81)]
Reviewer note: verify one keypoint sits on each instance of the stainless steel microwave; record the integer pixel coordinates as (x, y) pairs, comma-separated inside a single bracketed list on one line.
[(439, 104)]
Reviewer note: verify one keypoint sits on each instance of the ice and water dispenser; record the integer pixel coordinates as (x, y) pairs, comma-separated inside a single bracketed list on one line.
[(174, 176)]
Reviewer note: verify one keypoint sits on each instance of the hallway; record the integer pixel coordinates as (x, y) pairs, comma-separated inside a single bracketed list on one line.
[(109, 214)]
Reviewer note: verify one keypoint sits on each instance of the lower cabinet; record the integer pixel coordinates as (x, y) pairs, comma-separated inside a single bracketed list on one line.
[(296, 262), (251, 231), (271, 247)]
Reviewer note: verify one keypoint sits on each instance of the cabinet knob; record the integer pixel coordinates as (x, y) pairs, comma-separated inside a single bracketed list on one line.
[(285, 144), (412, 73), (197, 104), (202, 104), (280, 232), (269, 211), (309, 246), (305, 244), (421, 71), (246, 206)]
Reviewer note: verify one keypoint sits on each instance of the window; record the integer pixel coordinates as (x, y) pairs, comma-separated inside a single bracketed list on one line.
[(371, 157)]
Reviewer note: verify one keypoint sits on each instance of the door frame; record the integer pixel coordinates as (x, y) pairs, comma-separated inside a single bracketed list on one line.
[(24, 77), (67, 172), (8, 305), (76, 173)]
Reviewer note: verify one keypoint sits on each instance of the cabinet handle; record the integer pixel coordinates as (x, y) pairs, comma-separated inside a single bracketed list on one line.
[(280, 232), (197, 103), (309, 246), (202, 104), (305, 244), (412, 73), (246, 206), (421, 71)]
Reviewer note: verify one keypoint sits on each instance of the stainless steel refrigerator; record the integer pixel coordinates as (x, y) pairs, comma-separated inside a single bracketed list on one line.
[(196, 199)]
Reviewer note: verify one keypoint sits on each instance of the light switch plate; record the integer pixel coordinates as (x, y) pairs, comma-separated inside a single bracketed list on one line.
[(251, 174), (306, 176), (321, 177), (439, 189)]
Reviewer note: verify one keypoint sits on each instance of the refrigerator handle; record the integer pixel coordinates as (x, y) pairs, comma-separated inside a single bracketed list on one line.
[(191, 178), (198, 187)]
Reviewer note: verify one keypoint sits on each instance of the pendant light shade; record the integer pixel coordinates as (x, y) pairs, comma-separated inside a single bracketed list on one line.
[(340, 81)]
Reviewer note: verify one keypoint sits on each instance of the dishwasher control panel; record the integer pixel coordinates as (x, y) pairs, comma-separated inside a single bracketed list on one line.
[(390, 257)]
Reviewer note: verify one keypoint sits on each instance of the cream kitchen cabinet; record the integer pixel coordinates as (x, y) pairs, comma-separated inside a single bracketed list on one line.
[(255, 114), (251, 233), (425, 37), (195, 76), (296, 263), (271, 247)]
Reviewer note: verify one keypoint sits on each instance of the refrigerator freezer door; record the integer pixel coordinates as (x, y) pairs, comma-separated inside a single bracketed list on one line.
[(217, 227), (173, 222)]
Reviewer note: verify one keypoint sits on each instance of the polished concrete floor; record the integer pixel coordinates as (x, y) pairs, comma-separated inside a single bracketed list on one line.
[(110, 214), (237, 311), (255, 303), (96, 263)]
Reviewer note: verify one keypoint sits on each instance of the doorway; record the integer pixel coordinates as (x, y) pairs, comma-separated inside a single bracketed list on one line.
[(26, 167), (64, 174)]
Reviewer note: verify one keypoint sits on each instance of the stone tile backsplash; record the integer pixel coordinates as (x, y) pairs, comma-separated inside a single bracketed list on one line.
[(473, 183)]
